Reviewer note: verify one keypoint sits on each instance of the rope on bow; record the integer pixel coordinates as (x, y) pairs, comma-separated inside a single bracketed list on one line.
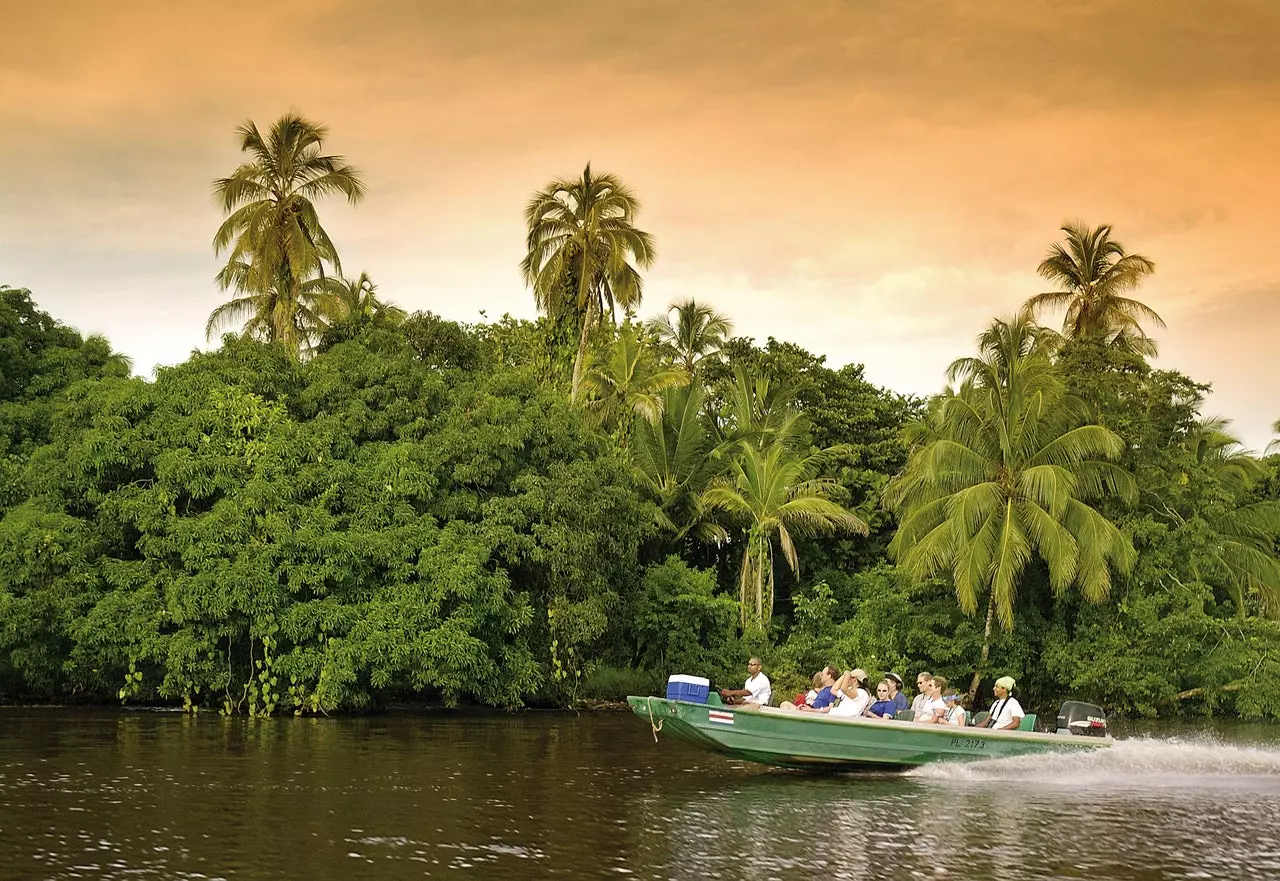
[(655, 726)]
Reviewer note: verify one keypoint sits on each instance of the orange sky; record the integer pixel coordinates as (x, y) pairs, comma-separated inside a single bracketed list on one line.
[(872, 180)]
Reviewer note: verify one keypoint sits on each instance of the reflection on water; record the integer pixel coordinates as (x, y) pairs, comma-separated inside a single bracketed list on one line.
[(100, 795)]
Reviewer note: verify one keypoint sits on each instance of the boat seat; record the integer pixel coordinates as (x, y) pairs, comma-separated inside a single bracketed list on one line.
[(1028, 722), (979, 718), (904, 716)]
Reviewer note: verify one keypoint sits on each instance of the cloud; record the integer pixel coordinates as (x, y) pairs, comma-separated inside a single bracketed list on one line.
[(871, 180)]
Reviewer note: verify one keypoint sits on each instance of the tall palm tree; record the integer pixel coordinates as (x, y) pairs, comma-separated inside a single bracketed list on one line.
[(1000, 472), (1093, 274), (626, 381), (272, 230), (774, 494), (693, 333), (1274, 446), (582, 237)]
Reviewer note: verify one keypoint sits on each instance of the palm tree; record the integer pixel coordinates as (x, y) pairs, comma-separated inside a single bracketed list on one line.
[(582, 237), (760, 411), (291, 313), (775, 494), (1274, 446), (625, 381), (358, 303), (694, 333), (277, 245), (676, 457), (1000, 472), (1093, 273)]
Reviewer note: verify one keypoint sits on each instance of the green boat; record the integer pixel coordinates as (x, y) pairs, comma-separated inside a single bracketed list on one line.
[(818, 742)]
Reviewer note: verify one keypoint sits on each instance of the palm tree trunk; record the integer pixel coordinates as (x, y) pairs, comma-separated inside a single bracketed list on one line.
[(579, 361), (585, 310), (986, 649)]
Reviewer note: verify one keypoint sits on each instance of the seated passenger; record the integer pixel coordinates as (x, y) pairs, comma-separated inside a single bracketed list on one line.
[(923, 688), (884, 706), (933, 709), (1006, 712), (852, 692), (956, 714), (814, 687), (756, 691), (899, 699), (824, 679)]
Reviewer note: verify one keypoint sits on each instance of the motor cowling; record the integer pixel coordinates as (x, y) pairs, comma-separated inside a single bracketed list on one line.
[(1079, 718)]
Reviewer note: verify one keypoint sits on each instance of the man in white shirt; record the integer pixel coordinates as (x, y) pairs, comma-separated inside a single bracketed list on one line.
[(1006, 712), (756, 691), (924, 686), (934, 709)]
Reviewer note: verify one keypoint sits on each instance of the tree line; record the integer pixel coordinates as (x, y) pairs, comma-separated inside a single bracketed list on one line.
[(345, 505)]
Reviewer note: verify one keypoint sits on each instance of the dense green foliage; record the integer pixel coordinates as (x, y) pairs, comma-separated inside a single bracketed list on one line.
[(344, 506), (417, 512)]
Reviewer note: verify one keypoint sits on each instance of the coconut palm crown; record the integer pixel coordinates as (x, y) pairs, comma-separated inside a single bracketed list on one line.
[(278, 250), (582, 238), (1094, 274), (1001, 471), (625, 382), (693, 333)]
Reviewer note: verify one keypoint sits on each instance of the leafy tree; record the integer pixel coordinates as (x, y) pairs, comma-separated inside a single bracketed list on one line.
[(694, 333), (775, 494), (679, 621), (1236, 535), (1001, 472), (582, 237), (1093, 273), (278, 249), (39, 359)]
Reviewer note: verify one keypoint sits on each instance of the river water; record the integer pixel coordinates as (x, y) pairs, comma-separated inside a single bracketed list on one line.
[(116, 795)]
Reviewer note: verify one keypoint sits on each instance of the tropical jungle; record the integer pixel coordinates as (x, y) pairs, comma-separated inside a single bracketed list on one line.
[(342, 506)]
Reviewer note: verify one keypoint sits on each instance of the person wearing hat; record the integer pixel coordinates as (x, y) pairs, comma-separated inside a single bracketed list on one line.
[(853, 695), (899, 699), (1006, 712)]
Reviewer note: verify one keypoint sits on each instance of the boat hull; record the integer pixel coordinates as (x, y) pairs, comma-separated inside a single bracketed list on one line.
[(819, 742)]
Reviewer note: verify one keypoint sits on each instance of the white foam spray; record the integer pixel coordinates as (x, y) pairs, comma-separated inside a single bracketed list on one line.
[(1138, 761)]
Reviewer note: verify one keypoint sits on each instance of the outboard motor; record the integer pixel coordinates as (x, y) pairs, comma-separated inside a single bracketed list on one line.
[(1077, 717)]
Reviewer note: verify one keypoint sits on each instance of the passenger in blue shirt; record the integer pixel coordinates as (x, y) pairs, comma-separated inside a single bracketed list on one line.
[(824, 698), (884, 707), (896, 695)]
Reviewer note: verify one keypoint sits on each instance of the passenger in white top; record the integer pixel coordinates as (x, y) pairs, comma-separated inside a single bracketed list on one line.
[(854, 697), (756, 691), (922, 692), (1006, 712), (934, 709), (955, 709)]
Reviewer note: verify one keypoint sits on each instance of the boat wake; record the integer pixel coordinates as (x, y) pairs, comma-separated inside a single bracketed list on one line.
[(1137, 761)]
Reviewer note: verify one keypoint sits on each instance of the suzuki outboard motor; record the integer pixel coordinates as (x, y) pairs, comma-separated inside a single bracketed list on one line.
[(1077, 717)]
